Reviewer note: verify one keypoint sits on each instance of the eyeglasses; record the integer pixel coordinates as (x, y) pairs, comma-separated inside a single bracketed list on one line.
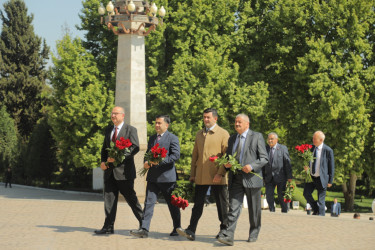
[(114, 113)]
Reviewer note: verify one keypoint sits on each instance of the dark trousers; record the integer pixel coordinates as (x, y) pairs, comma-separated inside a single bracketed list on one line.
[(8, 182), (221, 196), (270, 190), (236, 195), (112, 188), (152, 191), (319, 205)]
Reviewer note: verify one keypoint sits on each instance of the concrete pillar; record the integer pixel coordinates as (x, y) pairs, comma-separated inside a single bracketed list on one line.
[(131, 94)]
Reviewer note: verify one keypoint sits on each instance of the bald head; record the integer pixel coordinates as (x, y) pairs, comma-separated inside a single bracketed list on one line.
[(318, 138)]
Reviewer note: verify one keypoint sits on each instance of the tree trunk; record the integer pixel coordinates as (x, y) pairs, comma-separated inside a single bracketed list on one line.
[(349, 192)]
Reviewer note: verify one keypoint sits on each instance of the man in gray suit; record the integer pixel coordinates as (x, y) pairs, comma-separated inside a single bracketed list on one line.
[(120, 178), (277, 172), (161, 177), (251, 153), (322, 173)]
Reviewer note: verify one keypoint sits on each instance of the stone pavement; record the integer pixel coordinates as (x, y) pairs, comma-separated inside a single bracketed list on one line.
[(34, 218)]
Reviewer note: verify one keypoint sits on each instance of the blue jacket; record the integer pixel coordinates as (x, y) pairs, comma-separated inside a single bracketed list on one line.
[(166, 170)]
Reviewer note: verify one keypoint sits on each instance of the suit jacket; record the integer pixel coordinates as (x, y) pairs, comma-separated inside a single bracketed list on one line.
[(338, 204), (327, 165), (207, 144), (281, 169), (126, 169), (166, 170), (255, 154)]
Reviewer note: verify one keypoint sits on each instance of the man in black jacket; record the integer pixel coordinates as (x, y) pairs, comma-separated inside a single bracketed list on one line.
[(120, 178)]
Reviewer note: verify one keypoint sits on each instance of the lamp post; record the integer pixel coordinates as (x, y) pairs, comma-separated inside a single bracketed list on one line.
[(131, 17), (132, 20)]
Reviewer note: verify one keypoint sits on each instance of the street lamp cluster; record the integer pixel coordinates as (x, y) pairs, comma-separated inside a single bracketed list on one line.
[(131, 17)]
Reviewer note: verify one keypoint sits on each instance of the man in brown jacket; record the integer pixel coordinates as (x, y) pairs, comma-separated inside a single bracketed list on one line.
[(212, 140)]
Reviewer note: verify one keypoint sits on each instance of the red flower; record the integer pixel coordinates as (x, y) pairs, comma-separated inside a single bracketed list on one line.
[(287, 200), (122, 143), (163, 153), (179, 202), (213, 158)]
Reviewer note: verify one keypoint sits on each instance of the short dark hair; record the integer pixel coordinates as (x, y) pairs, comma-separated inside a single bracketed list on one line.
[(211, 110), (166, 118)]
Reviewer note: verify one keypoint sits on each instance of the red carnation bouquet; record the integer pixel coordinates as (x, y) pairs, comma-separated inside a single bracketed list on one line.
[(288, 194), (231, 159), (117, 150), (154, 157), (179, 202), (180, 192), (307, 156)]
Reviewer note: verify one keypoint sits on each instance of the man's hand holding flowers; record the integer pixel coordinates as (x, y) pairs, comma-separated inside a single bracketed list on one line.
[(116, 153), (153, 158), (307, 156)]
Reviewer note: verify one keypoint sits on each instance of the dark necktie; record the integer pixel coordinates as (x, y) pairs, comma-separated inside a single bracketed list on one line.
[(271, 156), (158, 138), (239, 148), (313, 165), (114, 137)]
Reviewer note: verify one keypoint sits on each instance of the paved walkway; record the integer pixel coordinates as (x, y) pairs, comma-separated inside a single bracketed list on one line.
[(32, 218)]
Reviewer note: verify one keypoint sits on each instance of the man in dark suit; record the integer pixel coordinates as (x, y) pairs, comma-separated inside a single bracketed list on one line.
[(161, 177), (251, 153), (120, 178), (322, 173), (277, 172)]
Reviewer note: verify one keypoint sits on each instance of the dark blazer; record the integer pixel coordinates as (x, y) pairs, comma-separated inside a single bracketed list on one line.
[(281, 169), (327, 165), (166, 170), (255, 154), (125, 170)]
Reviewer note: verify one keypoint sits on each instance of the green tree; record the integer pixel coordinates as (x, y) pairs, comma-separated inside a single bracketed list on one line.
[(100, 41), (40, 158), (189, 69), (312, 55), (81, 107), (22, 68), (8, 141)]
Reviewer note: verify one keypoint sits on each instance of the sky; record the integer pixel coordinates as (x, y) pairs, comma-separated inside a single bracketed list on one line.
[(51, 17)]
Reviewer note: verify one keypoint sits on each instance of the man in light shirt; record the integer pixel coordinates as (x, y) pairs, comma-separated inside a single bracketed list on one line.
[(335, 208), (322, 172)]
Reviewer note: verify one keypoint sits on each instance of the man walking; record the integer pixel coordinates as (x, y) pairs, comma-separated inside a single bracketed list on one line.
[(120, 178), (322, 173), (276, 172), (212, 140), (251, 153), (161, 177)]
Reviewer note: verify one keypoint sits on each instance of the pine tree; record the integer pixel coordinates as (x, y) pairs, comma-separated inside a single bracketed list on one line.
[(22, 67)]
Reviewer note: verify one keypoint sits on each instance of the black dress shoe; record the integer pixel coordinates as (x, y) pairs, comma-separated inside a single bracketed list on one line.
[(226, 240), (187, 233), (174, 232), (105, 230), (140, 233)]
